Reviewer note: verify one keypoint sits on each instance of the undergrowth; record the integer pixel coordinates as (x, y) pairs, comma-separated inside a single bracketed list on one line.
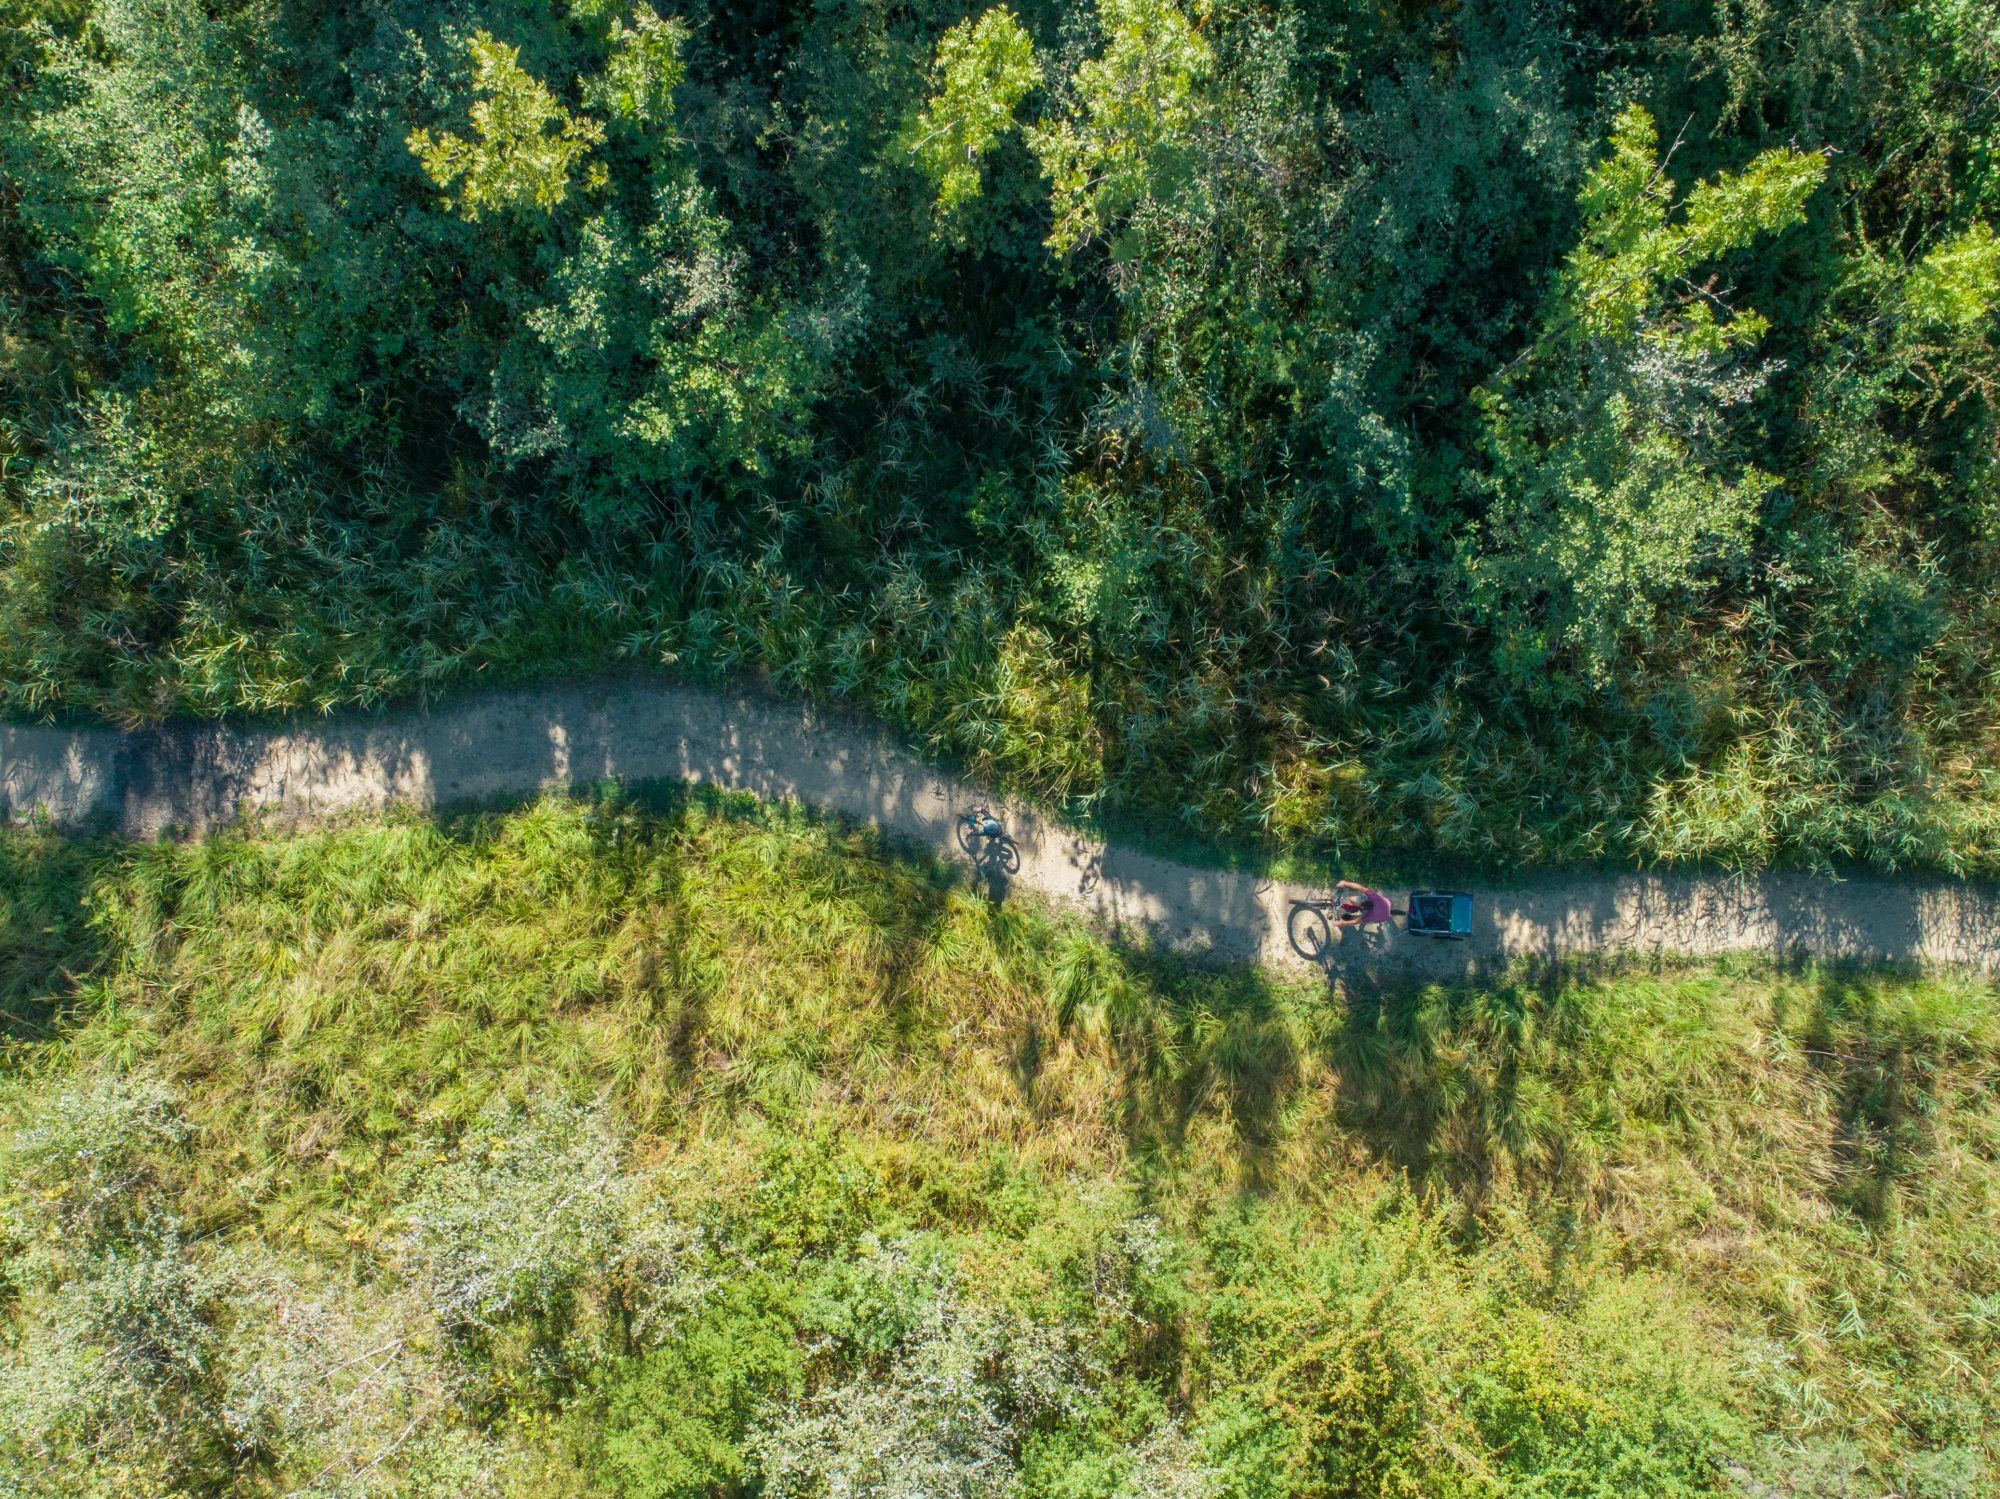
[(844, 1134)]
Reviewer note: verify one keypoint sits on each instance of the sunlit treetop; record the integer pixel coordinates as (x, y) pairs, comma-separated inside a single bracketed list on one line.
[(638, 82), (515, 162), (984, 69), (1098, 153), (1635, 242), (1957, 283)]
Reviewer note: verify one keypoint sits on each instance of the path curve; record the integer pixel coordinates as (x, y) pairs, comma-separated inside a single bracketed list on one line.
[(200, 776)]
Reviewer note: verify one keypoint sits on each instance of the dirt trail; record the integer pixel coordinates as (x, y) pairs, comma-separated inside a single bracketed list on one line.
[(198, 777)]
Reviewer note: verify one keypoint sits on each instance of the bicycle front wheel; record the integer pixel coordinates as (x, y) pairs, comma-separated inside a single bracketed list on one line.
[(968, 838), (1311, 933)]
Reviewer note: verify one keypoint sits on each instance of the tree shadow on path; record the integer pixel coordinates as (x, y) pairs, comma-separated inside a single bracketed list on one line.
[(1885, 1061)]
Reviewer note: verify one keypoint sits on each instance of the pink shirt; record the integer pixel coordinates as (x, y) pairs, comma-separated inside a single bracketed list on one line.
[(1374, 907)]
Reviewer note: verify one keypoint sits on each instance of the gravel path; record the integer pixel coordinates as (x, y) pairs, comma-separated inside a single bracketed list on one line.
[(197, 777)]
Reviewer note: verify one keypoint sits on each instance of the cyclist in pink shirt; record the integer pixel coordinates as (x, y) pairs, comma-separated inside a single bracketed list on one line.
[(1369, 908)]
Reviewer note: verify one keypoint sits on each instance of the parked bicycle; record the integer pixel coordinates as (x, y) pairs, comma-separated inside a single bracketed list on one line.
[(986, 843)]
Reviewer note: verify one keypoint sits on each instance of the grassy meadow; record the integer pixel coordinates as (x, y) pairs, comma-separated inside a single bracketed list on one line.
[(660, 1143)]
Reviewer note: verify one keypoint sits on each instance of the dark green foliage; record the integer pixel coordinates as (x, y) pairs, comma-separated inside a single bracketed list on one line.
[(673, 1422), (1273, 473)]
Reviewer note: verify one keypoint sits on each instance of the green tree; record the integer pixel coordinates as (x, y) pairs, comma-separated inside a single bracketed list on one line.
[(645, 64), (516, 162), (1613, 487), (1102, 145), (1131, 104), (985, 69)]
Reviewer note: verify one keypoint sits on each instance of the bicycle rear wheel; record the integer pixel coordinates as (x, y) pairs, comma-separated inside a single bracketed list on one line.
[(1006, 855), (968, 838), (1311, 933)]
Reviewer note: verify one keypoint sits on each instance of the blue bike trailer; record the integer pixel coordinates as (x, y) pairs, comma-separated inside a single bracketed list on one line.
[(1440, 913)]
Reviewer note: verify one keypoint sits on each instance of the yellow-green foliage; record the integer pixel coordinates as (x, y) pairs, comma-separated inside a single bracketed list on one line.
[(1378, 1357), (1636, 239), (515, 162), (1138, 96), (1135, 98), (1099, 155), (1957, 282), (984, 70), (645, 64)]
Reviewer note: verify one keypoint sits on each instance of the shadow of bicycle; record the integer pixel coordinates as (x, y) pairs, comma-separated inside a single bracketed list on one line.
[(996, 859)]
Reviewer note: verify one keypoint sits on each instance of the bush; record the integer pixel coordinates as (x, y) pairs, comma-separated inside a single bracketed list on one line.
[(1378, 1359), (526, 1220), (119, 1320)]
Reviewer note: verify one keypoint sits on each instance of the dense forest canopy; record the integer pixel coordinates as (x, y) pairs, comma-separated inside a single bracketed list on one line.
[(1527, 431)]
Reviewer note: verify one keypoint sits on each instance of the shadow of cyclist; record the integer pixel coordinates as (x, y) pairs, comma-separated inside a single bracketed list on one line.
[(994, 863)]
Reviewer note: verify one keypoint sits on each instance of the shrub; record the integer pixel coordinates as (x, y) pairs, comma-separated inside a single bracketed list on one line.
[(1378, 1359), (526, 1220), (120, 1343)]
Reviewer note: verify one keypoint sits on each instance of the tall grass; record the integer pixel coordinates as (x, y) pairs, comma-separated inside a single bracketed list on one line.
[(1248, 714), (1811, 1151)]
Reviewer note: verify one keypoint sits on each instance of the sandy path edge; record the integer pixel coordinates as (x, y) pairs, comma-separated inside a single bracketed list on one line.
[(198, 776)]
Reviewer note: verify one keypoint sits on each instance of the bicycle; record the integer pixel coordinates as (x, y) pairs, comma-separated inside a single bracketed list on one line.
[(986, 843), (1310, 931)]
